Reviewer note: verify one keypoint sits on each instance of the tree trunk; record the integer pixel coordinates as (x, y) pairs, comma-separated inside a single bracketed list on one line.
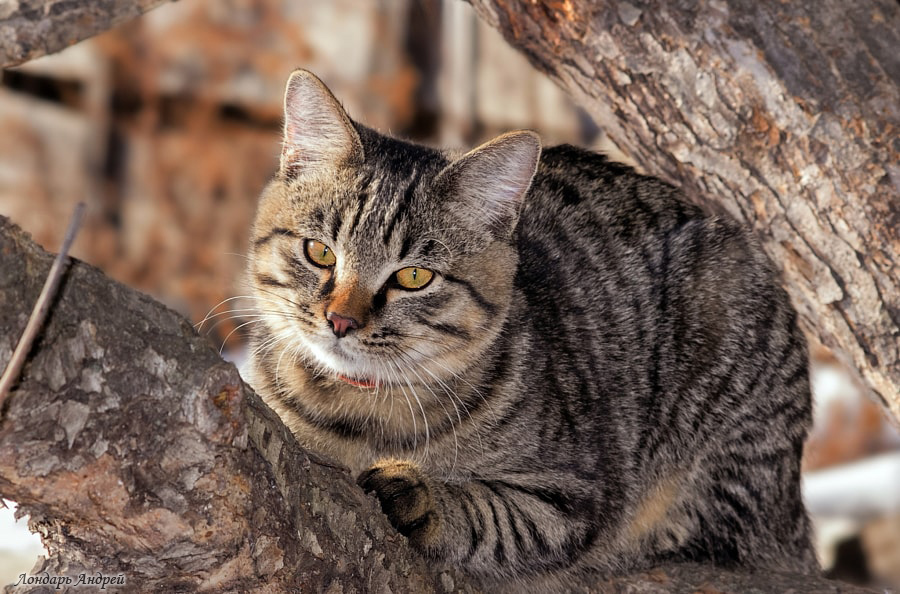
[(784, 114)]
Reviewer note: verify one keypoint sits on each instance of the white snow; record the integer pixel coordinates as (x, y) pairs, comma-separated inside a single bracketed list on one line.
[(19, 548)]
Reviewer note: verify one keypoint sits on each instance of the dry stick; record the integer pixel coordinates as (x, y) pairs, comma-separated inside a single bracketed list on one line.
[(41, 307)]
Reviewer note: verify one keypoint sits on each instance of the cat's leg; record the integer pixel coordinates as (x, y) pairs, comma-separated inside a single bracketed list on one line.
[(488, 527)]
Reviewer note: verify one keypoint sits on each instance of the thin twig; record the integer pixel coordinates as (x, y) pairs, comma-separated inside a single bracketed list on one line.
[(41, 307)]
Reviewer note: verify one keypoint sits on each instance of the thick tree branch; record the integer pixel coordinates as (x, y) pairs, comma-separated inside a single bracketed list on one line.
[(138, 451), (31, 28), (784, 114)]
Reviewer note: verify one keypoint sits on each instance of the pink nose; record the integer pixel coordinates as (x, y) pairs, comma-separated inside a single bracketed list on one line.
[(340, 324)]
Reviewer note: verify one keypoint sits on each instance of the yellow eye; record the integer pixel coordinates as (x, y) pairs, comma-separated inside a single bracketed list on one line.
[(414, 278), (319, 253)]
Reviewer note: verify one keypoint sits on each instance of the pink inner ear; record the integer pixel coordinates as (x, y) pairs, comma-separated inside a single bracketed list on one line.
[(494, 178), (317, 132)]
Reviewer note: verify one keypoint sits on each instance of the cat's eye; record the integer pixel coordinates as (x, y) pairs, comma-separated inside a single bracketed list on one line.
[(414, 277), (319, 253)]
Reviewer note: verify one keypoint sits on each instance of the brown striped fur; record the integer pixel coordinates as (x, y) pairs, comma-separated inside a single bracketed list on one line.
[(598, 377)]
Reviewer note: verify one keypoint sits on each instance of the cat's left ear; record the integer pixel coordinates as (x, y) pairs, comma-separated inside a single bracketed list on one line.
[(318, 133), (487, 184)]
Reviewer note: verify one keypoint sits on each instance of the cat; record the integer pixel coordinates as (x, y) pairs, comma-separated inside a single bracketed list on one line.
[(542, 363)]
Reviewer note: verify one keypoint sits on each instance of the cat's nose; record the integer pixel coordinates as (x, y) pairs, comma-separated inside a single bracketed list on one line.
[(341, 325)]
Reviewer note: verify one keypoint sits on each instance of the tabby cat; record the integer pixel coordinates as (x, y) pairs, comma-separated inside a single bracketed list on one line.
[(541, 362)]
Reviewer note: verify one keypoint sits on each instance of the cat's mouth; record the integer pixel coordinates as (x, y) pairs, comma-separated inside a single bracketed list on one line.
[(358, 382)]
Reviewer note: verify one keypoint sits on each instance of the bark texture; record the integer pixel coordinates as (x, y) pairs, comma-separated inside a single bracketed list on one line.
[(138, 452), (31, 28), (784, 114)]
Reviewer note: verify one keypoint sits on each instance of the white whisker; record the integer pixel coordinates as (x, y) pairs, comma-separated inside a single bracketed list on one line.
[(424, 418), (409, 403), (225, 340), (413, 365)]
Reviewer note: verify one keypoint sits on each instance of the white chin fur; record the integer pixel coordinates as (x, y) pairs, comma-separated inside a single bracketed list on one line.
[(335, 363)]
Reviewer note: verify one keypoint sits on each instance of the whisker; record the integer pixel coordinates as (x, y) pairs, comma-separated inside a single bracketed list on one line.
[(257, 350), (458, 377), (256, 318), (211, 315), (454, 398), (411, 413), (413, 365), (441, 343), (282, 297), (389, 393), (222, 348), (199, 324), (424, 418)]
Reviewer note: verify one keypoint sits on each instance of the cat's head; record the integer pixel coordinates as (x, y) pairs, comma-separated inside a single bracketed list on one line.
[(377, 261)]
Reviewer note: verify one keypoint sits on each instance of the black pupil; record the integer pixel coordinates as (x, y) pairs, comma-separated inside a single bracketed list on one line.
[(415, 273)]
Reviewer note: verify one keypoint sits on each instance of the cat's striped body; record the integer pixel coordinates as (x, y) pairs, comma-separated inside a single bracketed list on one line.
[(598, 377)]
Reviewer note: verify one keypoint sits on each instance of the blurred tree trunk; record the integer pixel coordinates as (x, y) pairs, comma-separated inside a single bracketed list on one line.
[(784, 114)]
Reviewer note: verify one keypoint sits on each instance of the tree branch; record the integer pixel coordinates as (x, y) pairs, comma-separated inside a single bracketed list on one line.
[(784, 114), (138, 451), (32, 28)]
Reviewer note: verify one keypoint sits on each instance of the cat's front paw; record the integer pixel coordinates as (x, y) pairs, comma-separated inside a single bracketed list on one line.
[(405, 498)]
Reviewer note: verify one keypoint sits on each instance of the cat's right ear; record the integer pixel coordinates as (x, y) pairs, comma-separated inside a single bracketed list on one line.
[(487, 185), (318, 133)]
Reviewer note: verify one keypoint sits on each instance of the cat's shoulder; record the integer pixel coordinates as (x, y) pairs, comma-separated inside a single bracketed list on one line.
[(589, 169), (568, 157), (575, 182)]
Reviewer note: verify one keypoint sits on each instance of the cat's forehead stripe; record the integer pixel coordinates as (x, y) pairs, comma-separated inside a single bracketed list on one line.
[(362, 199), (382, 201), (336, 221), (318, 216), (383, 206), (402, 202), (405, 246)]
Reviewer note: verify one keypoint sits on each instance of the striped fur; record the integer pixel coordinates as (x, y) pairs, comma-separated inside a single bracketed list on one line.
[(598, 378)]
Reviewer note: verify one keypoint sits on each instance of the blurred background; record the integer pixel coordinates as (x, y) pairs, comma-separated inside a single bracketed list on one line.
[(168, 128)]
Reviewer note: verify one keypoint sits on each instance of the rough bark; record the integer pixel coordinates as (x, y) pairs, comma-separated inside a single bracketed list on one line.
[(31, 28), (138, 452), (784, 114)]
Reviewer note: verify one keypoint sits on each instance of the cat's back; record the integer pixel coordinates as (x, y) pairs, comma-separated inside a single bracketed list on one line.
[(593, 219), (578, 193), (622, 270)]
